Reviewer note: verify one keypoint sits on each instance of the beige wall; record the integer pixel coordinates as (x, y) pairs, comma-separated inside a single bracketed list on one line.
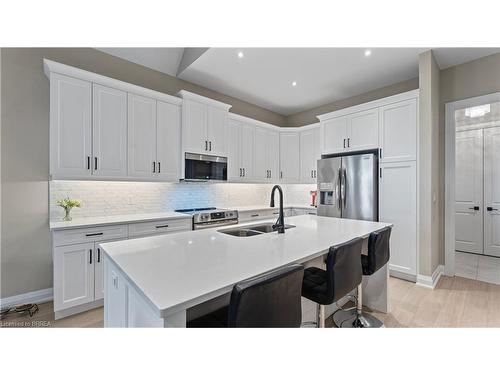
[(429, 196), (26, 261), (309, 116)]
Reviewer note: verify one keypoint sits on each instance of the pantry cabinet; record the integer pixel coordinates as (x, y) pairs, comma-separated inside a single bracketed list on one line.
[(203, 125), (289, 156), (309, 154)]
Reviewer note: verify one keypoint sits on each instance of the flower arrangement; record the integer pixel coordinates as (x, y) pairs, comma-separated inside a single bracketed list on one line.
[(68, 204)]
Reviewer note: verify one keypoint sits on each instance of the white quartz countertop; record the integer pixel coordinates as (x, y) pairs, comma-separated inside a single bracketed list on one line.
[(267, 207), (178, 271), (115, 219)]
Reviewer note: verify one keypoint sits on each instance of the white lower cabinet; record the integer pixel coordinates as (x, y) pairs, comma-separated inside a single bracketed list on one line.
[(398, 205), (73, 275), (79, 260)]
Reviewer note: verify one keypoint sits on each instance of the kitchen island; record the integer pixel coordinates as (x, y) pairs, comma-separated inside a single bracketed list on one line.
[(160, 281)]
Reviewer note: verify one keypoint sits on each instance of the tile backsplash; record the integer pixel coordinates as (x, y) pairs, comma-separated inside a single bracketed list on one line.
[(103, 198)]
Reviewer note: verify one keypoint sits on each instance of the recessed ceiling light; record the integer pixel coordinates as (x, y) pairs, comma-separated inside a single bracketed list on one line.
[(240, 55), (294, 83), (368, 52)]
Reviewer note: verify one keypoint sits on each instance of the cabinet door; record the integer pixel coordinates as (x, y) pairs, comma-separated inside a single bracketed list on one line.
[(109, 132), (289, 157), (334, 135), (216, 131), (469, 191), (398, 131), (70, 126), (141, 136), (247, 136), (99, 269), (492, 191), (316, 152), (398, 205), (73, 275), (273, 155), (306, 156), (233, 151), (363, 130), (168, 140), (194, 127), (261, 166)]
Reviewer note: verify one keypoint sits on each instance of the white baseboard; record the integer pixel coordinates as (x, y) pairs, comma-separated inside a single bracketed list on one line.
[(431, 281), (38, 296)]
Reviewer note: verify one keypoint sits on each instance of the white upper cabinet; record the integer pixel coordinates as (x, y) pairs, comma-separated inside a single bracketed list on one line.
[(289, 157), (309, 154), (168, 141), (362, 130), (203, 125), (355, 132), (334, 135), (266, 155), (70, 126), (240, 151), (109, 132), (398, 131), (141, 136)]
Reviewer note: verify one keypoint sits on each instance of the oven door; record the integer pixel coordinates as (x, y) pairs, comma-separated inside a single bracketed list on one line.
[(205, 168)]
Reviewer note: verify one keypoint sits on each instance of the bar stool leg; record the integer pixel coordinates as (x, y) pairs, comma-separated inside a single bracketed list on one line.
[(321, 315), (356, 318)]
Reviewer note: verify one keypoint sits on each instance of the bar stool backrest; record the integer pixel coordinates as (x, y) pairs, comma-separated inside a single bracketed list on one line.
[(378, 250)]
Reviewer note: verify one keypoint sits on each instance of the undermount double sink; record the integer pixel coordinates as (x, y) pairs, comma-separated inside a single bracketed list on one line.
[(252, 230)]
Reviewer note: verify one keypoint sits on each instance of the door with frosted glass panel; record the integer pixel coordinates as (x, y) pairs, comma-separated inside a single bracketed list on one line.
[(469, 191)]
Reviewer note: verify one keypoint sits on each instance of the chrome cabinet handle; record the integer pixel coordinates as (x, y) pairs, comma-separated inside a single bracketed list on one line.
[(210, 146), (240, 172), (159, 167), (344, 142), (312, 173), (154, 167), (88, 162), (315, 173), (98, 255), (94, 234), (90, 256), (95, 163), (348, 142), (243, 172), (162, 226), (206, 145)]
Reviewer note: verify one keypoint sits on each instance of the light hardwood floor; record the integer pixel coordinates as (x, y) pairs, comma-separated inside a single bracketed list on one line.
[(456, 302)]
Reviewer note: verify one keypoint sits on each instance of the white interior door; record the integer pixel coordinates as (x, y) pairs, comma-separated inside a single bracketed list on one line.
[(141, 136), (168, 141), (469, 191), (492, 191), (70, 126), (109, 146)]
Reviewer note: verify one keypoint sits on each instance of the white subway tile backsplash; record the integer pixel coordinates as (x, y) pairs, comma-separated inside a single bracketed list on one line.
[(102, 198)]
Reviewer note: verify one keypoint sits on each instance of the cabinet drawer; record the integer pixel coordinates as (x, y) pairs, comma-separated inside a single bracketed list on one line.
[(257, 215), (158, 227), (95, 234)]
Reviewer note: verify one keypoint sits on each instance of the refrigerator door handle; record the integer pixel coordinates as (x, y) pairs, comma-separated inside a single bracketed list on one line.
[(339, 187), (344, 180)]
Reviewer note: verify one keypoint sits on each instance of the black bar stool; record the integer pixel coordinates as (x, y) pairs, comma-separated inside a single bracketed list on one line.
[(270, 300), (342, 275), (378, 256)]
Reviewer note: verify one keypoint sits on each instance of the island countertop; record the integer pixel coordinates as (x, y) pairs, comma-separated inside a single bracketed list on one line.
[(177, 271)]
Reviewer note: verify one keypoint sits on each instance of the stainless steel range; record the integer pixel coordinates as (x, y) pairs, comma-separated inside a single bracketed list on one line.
[(211, 217)]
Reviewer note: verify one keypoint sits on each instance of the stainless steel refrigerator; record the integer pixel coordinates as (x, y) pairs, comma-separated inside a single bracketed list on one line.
[(348, 187)]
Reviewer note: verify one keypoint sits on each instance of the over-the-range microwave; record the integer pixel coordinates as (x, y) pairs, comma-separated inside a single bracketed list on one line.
[(200, 167)]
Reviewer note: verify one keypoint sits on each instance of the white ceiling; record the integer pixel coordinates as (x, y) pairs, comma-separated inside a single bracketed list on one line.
[(165, 60), (264, 76)]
